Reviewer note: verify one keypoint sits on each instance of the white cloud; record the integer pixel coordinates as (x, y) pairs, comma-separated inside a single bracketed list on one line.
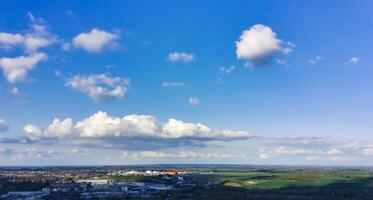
[(193, 101), (219, 81), (284, 151), (335, 152), (38, 36), (59, 128), (31, 40), (6, 151), (32, 131), (3, 125), (124, 154), (180, 56), (227, 70), (368, 151), (172, 84), (35, 152), (101, 125), (16, 69), (176, 129), (303, 139), (109, 66), (311, 152), (266, 153), (281, 62), (94, 41), (310, 158), (28, 153), (66, 46), (354, 60), (263, 155), (354, 145), (318, 148), (99, 87), (314, 60), (9, 40), (59, 74), (77, 151), (258, 44), (184, 155), (153, 154), (14, 91)]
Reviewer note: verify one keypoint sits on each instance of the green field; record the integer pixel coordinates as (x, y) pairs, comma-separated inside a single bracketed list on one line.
[(297, 178), (280, 183)]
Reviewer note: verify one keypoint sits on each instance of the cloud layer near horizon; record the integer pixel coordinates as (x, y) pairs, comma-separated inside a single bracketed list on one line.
[(101, 129)]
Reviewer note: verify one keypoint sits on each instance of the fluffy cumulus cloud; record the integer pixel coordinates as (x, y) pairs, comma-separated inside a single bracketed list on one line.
[(115, 130), (94, 41), (176, 129), (180, 56), (59, 128), (16, 69), (36, 37), (172, 84), (32, 131), (3, 125), (99, 87), (103, 125), (259, 44)]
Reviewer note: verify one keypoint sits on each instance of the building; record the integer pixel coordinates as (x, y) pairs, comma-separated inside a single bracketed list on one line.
[(170, 173)]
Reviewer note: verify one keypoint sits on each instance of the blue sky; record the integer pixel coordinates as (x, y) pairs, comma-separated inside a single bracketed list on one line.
[(248, 82)]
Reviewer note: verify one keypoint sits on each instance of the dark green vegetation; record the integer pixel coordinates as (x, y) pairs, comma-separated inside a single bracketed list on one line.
[(27, 185)]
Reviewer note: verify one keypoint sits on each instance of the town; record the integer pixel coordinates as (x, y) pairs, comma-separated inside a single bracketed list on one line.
[(90, 183)]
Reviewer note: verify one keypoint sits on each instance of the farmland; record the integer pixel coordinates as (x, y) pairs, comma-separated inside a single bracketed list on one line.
[(282, 183)]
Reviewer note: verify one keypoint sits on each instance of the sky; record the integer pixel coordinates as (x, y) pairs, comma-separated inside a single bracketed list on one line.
[(217, 82)]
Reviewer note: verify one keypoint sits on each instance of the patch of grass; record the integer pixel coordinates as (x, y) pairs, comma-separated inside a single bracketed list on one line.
[(232, 184)]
